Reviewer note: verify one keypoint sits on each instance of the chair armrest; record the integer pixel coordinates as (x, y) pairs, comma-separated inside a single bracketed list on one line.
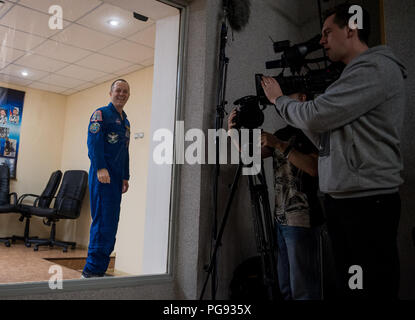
[(14, 194), (22, 197)]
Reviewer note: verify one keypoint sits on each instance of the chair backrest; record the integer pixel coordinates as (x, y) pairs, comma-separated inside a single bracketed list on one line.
[(49, 192), (4, 185), (71, 193)]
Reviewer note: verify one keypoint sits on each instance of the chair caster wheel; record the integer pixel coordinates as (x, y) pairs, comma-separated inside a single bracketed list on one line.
[(35, 249), (65, 249), (28, 244), (7, 244)]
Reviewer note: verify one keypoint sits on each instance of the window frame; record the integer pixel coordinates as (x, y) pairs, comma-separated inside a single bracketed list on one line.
[(30, 288)]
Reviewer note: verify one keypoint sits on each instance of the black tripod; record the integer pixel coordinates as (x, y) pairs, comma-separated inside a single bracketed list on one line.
[(264, 231), (263, 227), (220, 112)]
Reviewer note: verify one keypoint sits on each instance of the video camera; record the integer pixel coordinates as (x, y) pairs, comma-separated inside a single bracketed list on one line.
[(315, 81)]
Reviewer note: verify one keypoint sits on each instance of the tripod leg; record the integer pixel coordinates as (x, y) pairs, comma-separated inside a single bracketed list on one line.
[(264, 232), (221, 230)]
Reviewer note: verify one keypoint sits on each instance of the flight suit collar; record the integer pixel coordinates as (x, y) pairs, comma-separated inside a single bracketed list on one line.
[(112, 107)]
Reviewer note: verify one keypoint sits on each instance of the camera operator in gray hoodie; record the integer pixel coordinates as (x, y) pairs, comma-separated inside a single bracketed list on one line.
[(356, 124)]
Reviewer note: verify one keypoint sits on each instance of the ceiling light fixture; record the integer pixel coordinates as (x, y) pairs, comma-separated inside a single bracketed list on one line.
[(25, 73), (114, 22)]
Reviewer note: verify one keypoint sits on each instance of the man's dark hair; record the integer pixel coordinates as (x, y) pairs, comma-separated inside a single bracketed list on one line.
[(122, 80), (342, 17)]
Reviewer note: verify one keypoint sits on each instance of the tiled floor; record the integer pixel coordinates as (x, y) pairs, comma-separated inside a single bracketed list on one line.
[(21, 264)]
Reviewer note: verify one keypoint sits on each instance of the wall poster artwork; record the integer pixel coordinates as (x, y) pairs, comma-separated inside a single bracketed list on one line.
[(11, 110)]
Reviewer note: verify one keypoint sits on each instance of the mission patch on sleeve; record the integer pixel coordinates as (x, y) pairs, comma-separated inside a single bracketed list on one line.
[(94, 127)]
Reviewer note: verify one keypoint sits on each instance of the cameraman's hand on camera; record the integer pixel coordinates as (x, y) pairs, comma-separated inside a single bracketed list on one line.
[(271, 142), (268, 144), (271, 88), (231, 123)]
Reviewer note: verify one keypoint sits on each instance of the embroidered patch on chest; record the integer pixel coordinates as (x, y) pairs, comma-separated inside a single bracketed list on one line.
[(112, 137)]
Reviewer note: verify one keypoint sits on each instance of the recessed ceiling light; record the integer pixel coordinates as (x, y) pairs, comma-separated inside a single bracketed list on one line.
[(114, 22), (25, 73)]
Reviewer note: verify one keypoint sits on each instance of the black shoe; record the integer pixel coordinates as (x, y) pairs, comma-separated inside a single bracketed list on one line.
[(86, 275)]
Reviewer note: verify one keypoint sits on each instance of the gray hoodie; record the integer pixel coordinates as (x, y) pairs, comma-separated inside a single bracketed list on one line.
[(358, 121)]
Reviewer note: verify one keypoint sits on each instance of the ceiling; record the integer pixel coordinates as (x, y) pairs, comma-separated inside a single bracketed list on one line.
[(86, 52)]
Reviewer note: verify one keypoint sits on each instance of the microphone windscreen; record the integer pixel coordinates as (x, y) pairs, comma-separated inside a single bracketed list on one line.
[(237, 13)]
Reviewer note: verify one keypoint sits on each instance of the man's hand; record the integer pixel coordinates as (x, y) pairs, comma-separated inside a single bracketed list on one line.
[(271, 141), (231, 118), (125, 186), (271, 88), (103, 176)]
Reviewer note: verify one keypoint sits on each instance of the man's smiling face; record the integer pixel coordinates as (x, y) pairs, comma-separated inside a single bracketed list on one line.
[(119, 94)]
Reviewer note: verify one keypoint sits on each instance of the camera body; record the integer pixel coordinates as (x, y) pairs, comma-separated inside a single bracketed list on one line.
[(314, 81), (249, 114)]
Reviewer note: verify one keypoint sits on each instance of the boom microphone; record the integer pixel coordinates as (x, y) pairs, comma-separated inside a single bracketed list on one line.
[(237, 12)]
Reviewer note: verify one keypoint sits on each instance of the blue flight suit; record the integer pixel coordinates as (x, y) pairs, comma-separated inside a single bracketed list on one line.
[(108, 141)]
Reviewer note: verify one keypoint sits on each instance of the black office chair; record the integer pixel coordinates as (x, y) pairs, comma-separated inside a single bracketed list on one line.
[(39, 201), (67, 205), (6, 205)]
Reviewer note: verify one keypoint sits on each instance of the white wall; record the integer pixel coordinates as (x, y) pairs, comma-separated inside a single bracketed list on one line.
[(159, 176)]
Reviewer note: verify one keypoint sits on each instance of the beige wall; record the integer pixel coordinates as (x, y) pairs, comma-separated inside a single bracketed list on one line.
[(39, 154), (130, 237), (53, 136), (129, 245)]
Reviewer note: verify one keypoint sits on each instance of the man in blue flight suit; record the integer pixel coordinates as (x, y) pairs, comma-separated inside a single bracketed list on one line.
[(108, 140)]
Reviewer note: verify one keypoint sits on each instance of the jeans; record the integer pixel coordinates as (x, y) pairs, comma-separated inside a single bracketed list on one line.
[(363, 232), (298, 263)]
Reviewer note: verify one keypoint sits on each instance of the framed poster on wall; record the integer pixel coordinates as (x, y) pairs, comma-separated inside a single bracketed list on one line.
[(11, 110)]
